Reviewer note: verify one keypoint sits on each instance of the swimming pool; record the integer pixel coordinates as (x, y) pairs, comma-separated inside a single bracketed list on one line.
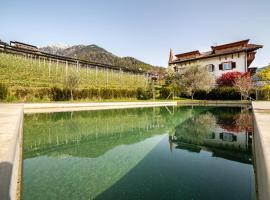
[(199, 152)]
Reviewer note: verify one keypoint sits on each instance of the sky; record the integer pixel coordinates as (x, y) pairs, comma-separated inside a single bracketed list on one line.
[(144, 29)]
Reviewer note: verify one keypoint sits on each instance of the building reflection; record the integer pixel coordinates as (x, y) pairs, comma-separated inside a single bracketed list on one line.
[(92, 134), (212, 133)]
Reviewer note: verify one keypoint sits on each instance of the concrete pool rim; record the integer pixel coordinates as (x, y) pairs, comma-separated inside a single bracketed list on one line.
[(258, 108)]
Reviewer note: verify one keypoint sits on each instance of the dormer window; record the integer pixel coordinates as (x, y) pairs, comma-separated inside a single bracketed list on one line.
[(227, 66)]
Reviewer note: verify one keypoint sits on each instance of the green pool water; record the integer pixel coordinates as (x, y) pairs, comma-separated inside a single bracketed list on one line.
[(185, 152)]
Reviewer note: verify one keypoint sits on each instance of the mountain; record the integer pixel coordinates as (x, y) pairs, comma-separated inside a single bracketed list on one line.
[(95, 53)]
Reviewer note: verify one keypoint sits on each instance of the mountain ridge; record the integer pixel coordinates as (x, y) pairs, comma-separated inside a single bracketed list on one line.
[(96, 53)]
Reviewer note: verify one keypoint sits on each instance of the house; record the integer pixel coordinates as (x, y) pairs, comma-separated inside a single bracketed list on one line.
[(236, 56)]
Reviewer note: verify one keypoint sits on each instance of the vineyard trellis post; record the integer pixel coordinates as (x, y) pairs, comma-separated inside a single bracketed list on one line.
[(96, 76), (78, 64), (57, 63), (31, 59), (50, 63), (121, 78), (107, 77), (66, 69)]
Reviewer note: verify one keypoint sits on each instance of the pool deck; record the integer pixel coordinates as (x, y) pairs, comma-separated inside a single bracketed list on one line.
[(11, 133), (261, 112), (11, 129)]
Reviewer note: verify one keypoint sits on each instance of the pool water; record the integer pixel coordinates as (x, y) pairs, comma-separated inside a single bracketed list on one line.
[(198, 152)]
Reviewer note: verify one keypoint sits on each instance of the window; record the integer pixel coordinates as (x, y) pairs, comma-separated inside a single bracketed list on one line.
[(229, 137), (227, 66), (210, 67)]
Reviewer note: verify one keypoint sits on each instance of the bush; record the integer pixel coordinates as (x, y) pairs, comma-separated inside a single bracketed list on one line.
[(26, 94), (58, 94), (143, 94), (264, 93), (165, 92), (227, 79), (3, 91), (224, 93)]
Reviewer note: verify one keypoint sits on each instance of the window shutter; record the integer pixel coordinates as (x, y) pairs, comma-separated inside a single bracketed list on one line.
[(233, 65), (220, 67), (221, 136), (213, 68)]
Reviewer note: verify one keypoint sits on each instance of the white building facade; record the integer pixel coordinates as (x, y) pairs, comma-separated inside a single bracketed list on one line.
[(236, 56)]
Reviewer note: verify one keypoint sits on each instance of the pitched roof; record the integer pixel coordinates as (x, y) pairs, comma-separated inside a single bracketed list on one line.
[(219, 50)]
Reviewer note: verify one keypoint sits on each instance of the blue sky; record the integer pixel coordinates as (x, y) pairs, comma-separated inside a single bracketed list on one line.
[(144, 29)]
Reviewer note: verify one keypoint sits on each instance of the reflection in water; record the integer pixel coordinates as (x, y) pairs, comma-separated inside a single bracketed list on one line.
[(105, 154), (223, 140)]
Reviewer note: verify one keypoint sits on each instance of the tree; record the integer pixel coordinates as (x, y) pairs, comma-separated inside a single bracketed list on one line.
[(196, 129), (195, 77), (171, 87), (264, 82), (72, 82), (243, 84), (264, 74), (227, 79)]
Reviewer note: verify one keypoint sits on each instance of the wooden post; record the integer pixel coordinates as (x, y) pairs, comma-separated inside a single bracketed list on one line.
[(96, 76), (57, 63), (66, 68), (107, 77), (50, 63), (121, 80)]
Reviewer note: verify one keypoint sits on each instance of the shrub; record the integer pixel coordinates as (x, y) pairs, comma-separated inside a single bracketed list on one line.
[(165, 92), (264, 93), (144, 94), (21, 93), (58, 94), (227, 79), (224, 93), (3, 91)]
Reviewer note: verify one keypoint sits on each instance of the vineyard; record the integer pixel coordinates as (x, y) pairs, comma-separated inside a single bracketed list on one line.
[(18, 71)]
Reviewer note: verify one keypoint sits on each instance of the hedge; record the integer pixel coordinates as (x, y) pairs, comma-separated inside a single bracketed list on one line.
[(223, 93), (144, 94), (59, 94), (3, 91)]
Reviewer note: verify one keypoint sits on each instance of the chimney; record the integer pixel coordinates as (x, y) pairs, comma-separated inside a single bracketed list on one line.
[(171, 56)]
